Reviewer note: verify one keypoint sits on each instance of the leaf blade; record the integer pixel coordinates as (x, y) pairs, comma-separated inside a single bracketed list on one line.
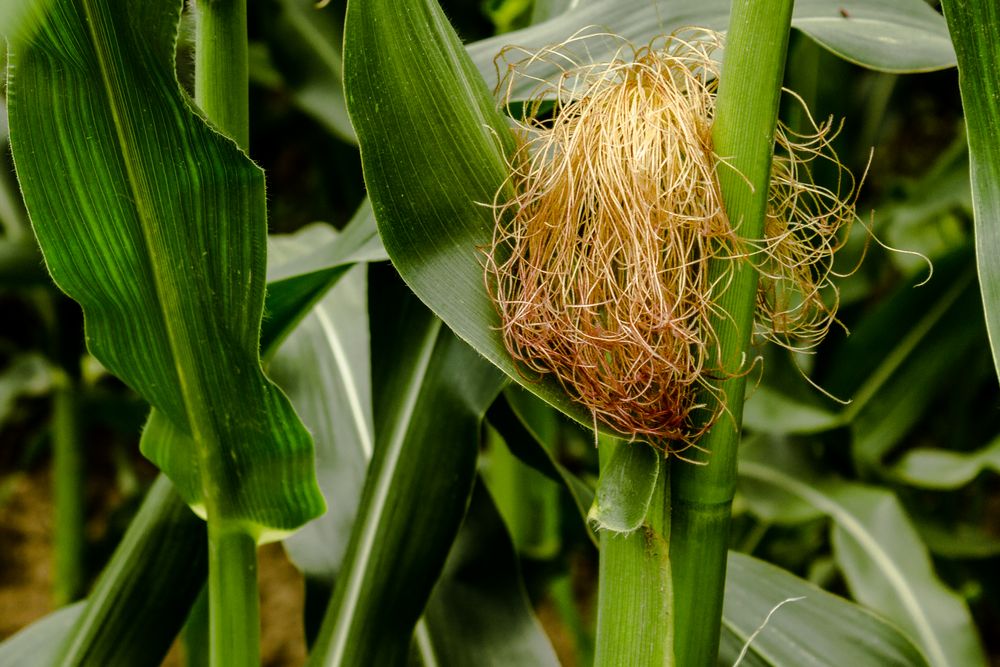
[(155, 223)]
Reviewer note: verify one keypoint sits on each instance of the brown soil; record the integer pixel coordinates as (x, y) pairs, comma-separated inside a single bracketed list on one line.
[(26, 534)]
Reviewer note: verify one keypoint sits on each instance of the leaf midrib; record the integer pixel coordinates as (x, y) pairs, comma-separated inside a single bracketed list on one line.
[(192, 394)]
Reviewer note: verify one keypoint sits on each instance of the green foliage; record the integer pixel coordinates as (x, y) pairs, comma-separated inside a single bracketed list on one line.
[(155, 222), (126, 209)]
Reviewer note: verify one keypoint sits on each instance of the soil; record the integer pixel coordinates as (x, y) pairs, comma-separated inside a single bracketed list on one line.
[(26, 567)]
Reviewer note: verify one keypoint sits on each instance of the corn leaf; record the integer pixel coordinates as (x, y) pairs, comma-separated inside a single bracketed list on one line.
[(625, 488), (38, 644), (324, 367), (885, 564), (432, 170), (156, 224), (306, 48), (975, 30), (20, 18), (945, 470), (812, 628), (431, 391), (889, 35), (479, 614)]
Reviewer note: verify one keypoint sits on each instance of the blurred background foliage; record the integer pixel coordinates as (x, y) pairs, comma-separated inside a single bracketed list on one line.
[(900, 484)]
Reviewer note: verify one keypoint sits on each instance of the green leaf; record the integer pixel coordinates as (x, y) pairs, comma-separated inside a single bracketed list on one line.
[(431, 391), (886, 566), (479, 614), (516, 418), (945, 470), (323, 366), (305, 44), (812, 628), (298, 283), (888, 35), (626, 488), (156, 224), (138, 604), (20, 18), (430, 174), (142, 598), (768, 410), (891, 367), (38, 644), (975, 30)]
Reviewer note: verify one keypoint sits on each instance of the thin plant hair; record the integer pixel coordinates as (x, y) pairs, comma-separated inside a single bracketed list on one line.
[(612, 245)]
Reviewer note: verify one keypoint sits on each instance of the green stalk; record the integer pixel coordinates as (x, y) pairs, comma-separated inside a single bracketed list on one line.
[(221, 84), (221, 90), (634, 625), (68, 475), (233, 603), (743, 132)]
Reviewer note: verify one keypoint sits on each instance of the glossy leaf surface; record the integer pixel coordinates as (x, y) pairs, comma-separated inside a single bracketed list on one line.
[(975, 30), (816, 629), (155, 223), (889, 35), (430, 393)]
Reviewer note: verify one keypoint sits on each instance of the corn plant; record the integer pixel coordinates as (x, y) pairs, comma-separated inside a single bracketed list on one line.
[(377, 398)]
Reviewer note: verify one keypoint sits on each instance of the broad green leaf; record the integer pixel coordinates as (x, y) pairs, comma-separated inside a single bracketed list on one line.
[(888, 35), (770, 411), (528, 501), (430, 392), (295, 285), (812, 628), (142, 598), (943, 469), (20, 18), (479, 614), (38, 644), (891, 367), (432, 170), (323, 366), (975, 30), (156, 224), (886, 566), (514, 418), (305, 44), (626, 487)]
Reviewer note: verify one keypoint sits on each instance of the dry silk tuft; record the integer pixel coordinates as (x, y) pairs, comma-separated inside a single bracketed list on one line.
[(610, 255)]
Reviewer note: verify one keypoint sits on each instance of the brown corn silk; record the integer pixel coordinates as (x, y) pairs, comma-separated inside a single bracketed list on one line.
[(608, 259)]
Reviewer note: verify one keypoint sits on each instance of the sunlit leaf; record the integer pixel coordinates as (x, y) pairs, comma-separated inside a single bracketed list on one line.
[(156, 224)]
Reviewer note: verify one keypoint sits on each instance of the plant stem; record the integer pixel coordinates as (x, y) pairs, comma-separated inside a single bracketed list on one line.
[(234, 606), (221, 84), (743, 132), (68, 476), (221, 90), (634, 624)]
